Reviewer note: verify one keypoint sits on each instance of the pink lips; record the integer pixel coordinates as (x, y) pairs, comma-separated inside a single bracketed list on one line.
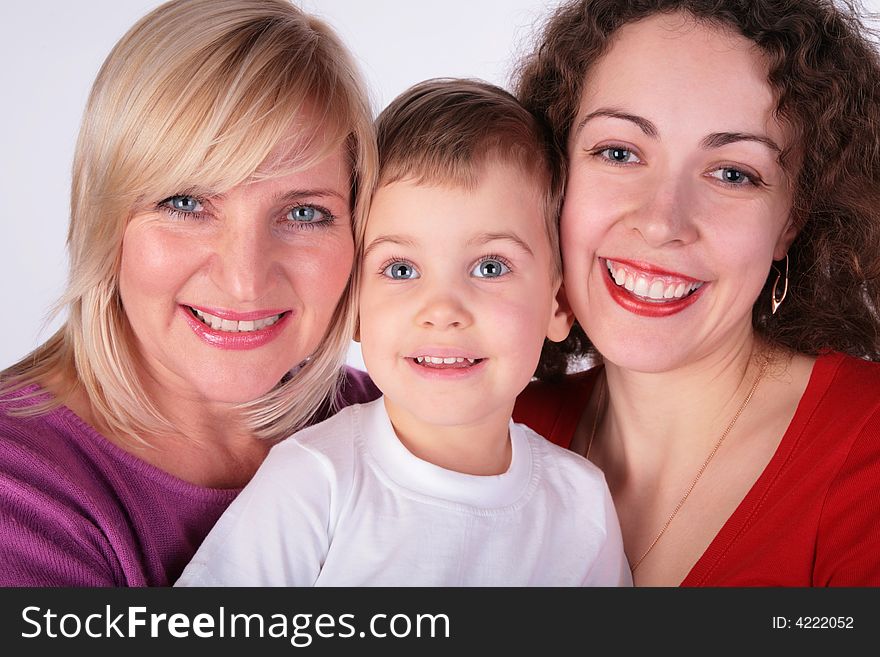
[(628, 301), (235, 341), (238, 317), (445, 371)]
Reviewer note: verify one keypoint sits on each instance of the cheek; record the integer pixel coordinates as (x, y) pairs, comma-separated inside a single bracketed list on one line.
[(749, 266), (578, 243), (519, 323), (152, 266), (741, 260), (517, 336), (381, 317), (745, 240), (580, 224), (320, 275)]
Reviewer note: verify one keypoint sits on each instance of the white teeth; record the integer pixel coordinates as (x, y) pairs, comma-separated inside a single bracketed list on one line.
[(449, 360), (657, 289), (649, 287), (231, 326), (263, 323)]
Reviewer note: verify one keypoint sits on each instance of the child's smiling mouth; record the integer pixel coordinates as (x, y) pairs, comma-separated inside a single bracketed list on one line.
[(445, 362)]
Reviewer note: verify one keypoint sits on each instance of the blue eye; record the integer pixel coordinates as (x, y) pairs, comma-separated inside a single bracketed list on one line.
[(183, 204), (731, 176), (401, 271), (490, 268), (618, 155), (307, 214)]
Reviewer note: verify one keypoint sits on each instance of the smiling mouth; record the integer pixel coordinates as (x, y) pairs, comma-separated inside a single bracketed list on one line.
[(445, 363), (651, 288), (232, 326)]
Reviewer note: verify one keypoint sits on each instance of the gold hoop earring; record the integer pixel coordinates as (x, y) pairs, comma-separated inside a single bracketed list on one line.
[(775, 299)]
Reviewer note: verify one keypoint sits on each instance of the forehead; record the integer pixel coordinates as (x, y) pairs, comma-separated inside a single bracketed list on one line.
[(319, 174), (692, 73), (307, 139), (503, 198)]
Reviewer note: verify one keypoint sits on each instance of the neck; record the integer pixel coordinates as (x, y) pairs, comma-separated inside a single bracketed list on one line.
[(660, 422), (481, 447)]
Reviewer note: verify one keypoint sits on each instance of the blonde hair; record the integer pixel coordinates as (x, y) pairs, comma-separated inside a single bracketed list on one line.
[(197, 95), (446, 130)]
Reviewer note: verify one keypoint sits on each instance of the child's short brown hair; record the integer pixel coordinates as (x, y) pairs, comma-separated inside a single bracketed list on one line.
[(446, 130)]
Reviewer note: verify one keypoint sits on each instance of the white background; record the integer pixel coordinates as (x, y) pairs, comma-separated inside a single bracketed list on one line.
[(50, 51)]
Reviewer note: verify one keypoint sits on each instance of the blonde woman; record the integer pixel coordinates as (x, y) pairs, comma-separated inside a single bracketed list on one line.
[(218, 181)]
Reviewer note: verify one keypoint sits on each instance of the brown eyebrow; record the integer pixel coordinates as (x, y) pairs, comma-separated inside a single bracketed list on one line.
[(485, 238), (715, 140), (718, 139), (400, 240), (643, 124)]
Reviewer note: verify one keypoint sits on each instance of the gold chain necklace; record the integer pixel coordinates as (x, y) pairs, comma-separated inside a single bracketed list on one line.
[(727, 430)]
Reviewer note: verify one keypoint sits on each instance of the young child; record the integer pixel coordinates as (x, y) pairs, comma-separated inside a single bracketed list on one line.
[(433, 484)]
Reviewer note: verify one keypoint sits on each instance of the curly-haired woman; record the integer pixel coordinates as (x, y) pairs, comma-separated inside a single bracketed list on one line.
[(721, 246)]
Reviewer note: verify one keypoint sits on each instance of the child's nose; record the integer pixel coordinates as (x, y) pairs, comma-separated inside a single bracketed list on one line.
[(442, 309)]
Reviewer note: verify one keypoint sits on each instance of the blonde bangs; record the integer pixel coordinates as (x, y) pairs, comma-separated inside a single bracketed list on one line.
[(233, 110)]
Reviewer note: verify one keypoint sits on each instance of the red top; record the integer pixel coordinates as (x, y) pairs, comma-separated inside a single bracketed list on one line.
[(813, 516)]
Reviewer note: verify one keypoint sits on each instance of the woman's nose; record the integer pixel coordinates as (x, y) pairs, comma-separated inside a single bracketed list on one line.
[(244, 261), (665, 216)]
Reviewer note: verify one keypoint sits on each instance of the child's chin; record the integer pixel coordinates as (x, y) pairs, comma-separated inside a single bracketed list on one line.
[(450, 413)]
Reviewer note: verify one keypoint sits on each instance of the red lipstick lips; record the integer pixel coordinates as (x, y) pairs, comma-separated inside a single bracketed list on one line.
[(642, 305)]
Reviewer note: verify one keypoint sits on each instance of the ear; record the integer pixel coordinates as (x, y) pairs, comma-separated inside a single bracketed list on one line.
[(561, 316), (785, 239)]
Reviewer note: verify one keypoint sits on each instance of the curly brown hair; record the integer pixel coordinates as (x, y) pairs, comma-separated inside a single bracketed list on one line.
[(825, 70)]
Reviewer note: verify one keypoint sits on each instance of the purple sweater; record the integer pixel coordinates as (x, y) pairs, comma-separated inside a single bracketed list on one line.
[(76, 510)]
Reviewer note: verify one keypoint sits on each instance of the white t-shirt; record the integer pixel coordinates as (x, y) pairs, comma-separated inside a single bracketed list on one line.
[(344, 503)]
